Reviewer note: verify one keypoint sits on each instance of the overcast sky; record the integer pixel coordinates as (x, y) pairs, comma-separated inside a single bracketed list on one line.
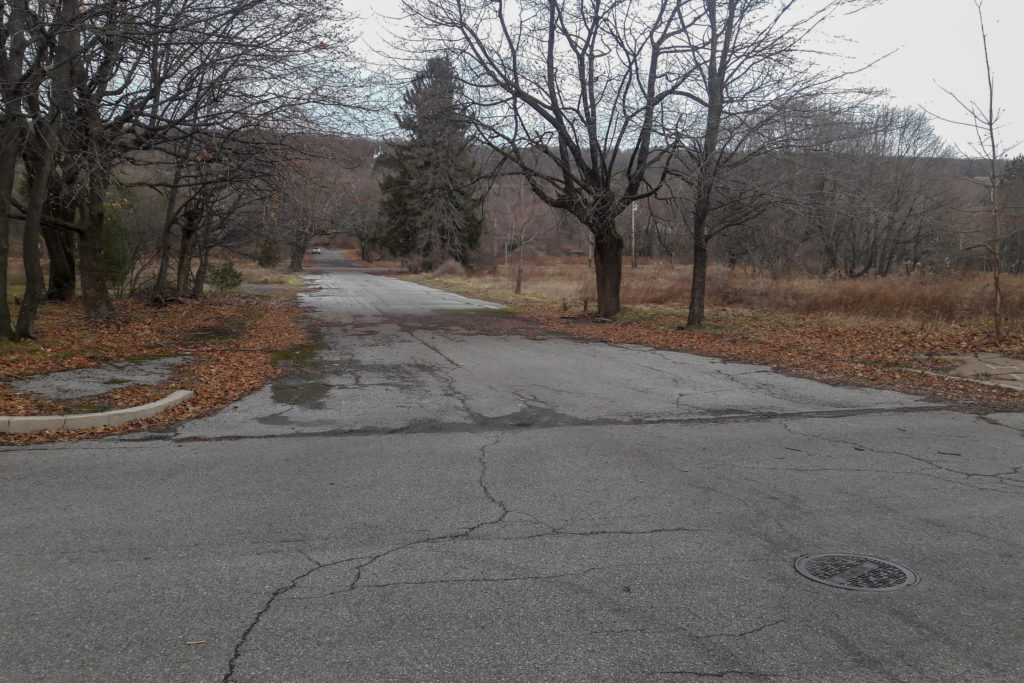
[(937, 45)]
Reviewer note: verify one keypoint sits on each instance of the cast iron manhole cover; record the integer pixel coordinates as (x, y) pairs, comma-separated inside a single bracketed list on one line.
[(856, 572)]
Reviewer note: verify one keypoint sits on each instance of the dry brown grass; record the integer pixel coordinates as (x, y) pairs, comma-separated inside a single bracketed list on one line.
[(920, 297), (253, 273)]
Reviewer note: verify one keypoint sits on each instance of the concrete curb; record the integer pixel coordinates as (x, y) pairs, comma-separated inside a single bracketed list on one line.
[(37, 423), (972, 380)]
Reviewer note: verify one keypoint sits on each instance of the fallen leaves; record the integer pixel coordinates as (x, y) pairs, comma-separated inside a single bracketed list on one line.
[(889, 353), (901, 355), (219, 368)]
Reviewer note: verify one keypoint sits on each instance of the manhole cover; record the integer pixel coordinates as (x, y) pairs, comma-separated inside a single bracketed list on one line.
[(856, 572)]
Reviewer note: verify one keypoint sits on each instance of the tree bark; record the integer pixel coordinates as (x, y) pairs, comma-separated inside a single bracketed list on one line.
[(95, 297), (164, 249), (296, 253), (38, 166), (60, 245), (11, 134), (9, 145), (204, 261), (698, 283), (184, 259), (608, 246), (200, 279), (519, 268)]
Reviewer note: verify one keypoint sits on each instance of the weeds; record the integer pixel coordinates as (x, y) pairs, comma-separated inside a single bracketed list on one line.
[(921, 297)]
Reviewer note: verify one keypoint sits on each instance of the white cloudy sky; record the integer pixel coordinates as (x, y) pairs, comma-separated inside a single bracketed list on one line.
[(937, 45)]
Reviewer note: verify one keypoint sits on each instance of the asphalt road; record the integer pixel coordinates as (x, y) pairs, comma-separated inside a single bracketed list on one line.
[(421, 501)]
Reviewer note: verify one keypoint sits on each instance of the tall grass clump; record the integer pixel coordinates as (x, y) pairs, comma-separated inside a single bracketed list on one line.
[(926, 296), (919, 296)]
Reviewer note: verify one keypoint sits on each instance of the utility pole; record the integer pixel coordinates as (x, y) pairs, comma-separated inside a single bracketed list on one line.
[(633, 231)]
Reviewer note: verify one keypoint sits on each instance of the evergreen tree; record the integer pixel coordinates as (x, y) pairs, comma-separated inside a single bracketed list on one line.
[(429, 206)]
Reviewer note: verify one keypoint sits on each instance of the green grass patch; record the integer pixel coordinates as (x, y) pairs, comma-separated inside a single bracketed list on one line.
[(297, 354), (86, 408), (14, 291)]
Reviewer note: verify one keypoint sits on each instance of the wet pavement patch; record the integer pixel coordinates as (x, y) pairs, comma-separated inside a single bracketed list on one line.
[(310, 395), (72, 384), (297, 356)]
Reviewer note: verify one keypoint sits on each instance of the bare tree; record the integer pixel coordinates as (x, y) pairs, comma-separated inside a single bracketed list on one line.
[(753, 68), (311, 198), (516, 219), (869, 195), (983, 118), (569, 96), (14, 42), (86, 86)]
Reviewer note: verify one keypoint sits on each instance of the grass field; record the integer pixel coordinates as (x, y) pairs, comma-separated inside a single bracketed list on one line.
[(921, 297)]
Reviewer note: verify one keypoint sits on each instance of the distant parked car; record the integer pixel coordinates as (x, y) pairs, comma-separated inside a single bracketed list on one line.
[(316, 250)]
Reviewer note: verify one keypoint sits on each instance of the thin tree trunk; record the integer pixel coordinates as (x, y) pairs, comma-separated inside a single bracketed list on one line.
[(11, 134), (698, 282), (204, 261), (164, 249), (519, 269), (9, 144), (39, 164), (200, 280), (704, 188), (997, 253), (184, 259)]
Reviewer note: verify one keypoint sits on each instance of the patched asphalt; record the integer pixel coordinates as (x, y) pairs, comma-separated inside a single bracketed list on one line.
[(84, 382)]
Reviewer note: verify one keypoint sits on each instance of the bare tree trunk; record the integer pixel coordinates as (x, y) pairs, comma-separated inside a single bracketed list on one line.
[(164, 249), (519, 269), (9, 144), (60, 245), (698, 283), (39, 164), (997, 252), (296, 253), (95, 297), (11, 134), (184, 259), (61, 286), (608, 246), (204, 261), (200, 279)]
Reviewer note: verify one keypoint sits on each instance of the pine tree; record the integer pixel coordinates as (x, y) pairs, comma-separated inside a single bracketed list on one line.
[(430, 208)]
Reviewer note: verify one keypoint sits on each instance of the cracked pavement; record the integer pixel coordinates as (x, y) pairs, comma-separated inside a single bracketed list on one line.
[(424, 501)]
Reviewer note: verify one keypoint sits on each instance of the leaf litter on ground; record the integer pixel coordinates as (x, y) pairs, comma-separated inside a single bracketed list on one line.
[(219, 367)]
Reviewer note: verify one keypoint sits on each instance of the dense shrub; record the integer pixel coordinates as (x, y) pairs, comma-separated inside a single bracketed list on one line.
[(225, 276), (269, 253)]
